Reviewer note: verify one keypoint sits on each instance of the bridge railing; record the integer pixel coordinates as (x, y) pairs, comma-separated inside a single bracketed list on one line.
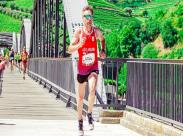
[(152, 87), (155, 88), (114, 78), (57, 75)]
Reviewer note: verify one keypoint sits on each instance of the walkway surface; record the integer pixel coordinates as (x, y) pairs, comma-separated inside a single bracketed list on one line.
[(27, 109)]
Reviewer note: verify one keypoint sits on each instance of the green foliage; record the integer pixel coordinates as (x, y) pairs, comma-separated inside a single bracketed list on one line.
[(150, 51), (128, 38), (101, 3), (129, 42), (116, 41), (122, 80), (164, 56), (180, 36), (160, 14), (30, 11), (22, 9), (176, 54), (145, 13), (1, 10), (125, 41), (24, 3), (7, 25), (12, 6), (153, 6), (112, 43), (107, 16), (169, 33), (180, 22), (179, 10), (150, 31), (130, 3), (109, 82), (3, 4)]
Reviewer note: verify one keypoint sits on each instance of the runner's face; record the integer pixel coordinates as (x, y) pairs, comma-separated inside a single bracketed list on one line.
[(87, 18)]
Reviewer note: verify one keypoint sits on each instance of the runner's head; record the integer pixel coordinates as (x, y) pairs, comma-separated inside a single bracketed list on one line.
[(87, 15), (23, 49)]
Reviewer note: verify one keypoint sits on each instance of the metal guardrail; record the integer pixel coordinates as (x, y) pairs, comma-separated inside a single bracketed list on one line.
[(57, 75), (48, 72), (114, 78), (155, 88)]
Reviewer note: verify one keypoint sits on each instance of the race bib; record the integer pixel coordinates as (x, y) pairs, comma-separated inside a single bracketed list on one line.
[(88, 59)]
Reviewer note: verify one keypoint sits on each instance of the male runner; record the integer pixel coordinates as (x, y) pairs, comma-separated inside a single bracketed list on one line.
[(85, 42), (24, 57)]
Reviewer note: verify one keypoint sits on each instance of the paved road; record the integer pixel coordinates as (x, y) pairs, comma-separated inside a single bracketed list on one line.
[(26, 99)]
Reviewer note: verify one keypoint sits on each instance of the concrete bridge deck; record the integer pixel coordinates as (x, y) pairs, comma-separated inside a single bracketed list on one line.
[(27, 109)]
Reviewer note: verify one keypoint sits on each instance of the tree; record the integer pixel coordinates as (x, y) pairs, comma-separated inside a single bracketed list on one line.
[(125, 41), (129, 42), (180, 22), (169, 33), (150, 31), (112, 43)]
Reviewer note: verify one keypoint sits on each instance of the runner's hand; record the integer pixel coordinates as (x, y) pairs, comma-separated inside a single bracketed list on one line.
[(82, 41), (102, 55)]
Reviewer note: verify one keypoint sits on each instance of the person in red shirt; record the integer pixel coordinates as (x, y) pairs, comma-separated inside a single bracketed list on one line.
[(2, 65), (24, 57), (85, 42)]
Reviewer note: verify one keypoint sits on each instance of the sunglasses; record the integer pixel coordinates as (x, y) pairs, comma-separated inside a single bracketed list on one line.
[(88, 17)]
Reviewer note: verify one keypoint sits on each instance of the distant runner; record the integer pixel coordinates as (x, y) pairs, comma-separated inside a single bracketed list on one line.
[(18, 59), (24, 57), (6, 55), (85, 42), (12, 55), (2, 67)]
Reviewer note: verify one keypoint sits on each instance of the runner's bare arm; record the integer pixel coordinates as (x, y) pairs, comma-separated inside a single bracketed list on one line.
[(75, 43), (100, 36)]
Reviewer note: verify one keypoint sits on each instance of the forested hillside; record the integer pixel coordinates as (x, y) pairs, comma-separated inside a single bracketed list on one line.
[(158, 33), (133, 28)]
